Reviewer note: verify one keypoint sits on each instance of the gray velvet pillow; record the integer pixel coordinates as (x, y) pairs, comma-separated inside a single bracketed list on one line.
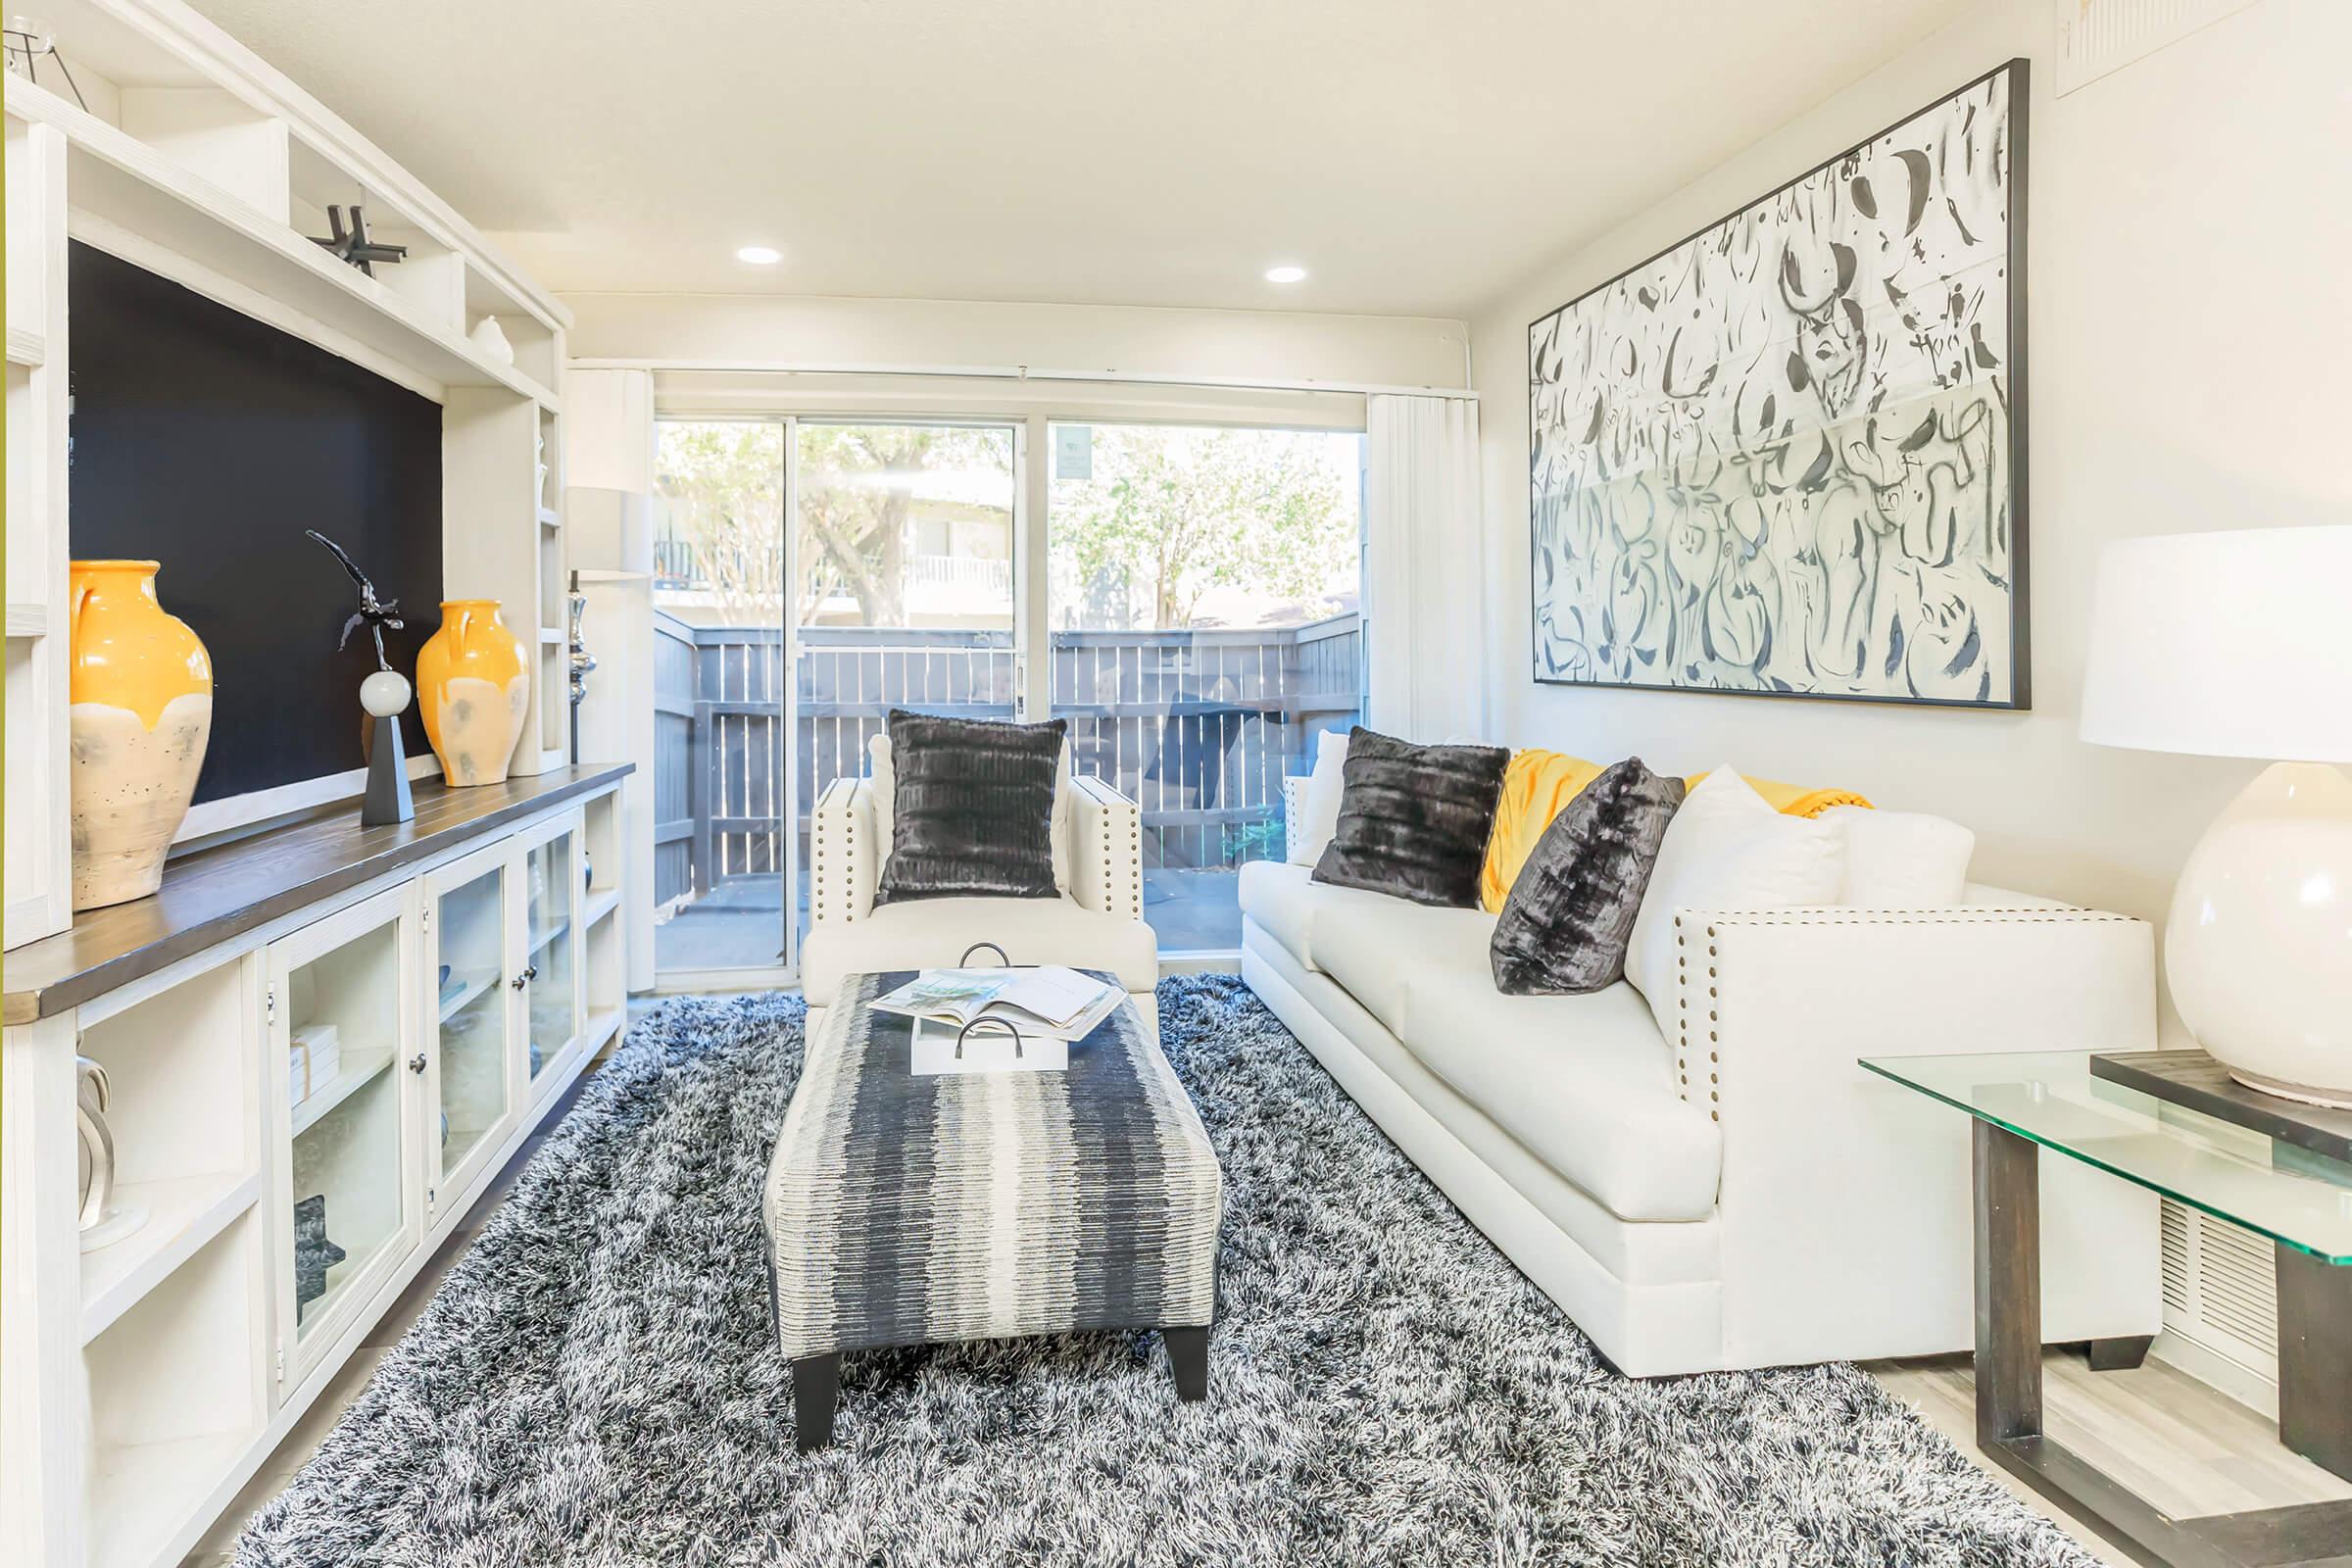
[(1413, 819), (1564, 928), (972, 808)]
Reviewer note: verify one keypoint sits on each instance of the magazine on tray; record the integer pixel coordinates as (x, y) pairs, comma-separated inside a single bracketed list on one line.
[(1049, 1001)]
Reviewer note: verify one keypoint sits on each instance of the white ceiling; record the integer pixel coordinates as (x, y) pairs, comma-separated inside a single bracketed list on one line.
[(1418, 157)]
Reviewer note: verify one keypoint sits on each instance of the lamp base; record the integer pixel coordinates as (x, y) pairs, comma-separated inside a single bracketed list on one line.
[(2258, 949), (2333, 1098)]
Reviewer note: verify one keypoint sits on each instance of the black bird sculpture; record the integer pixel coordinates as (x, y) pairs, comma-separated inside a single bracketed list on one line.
[(355, 247)]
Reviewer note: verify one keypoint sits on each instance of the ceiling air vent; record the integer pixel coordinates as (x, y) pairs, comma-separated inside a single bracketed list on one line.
[(2096, 36)]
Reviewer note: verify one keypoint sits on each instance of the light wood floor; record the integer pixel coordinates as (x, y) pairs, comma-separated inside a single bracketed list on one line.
[(2187, 1447), (2184, 1447)]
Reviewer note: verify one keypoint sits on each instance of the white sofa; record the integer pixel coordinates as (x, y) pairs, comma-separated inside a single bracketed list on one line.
[(1744, 1196), (1099, 926)]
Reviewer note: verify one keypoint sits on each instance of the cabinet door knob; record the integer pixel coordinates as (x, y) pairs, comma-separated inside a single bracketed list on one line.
[(417, 1062), (521, 980)]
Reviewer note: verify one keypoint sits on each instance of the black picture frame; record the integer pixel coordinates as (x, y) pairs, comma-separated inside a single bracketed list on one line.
[(2017, 205)]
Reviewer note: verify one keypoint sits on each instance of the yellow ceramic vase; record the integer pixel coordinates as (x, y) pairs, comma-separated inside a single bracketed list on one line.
[(141, 689), (473, 685)]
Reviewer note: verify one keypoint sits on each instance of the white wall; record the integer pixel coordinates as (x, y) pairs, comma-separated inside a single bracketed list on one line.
[(2189, 297), (1270, 345)]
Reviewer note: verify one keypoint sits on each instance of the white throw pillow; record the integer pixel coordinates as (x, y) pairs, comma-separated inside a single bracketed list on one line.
[(1319, 801), (1902, 859), (1727, 849), (1060, 831)]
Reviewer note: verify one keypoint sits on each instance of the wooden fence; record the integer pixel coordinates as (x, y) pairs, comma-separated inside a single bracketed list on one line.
[(1199, 727)]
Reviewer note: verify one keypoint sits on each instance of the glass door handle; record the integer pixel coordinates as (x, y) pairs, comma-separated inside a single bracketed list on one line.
[(417, 1062)]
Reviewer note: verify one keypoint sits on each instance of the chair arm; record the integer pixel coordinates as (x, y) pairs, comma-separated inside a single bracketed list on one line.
[(1106, 849), (1845, 1198), (844, 856)]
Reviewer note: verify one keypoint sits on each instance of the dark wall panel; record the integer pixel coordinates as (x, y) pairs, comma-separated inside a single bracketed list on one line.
[(208, 441)]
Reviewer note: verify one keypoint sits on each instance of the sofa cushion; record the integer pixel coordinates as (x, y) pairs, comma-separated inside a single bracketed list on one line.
[(932, 933), (1584, 1082), (1414, 819), (1902, 859), (1373, 945), (1284, 901), (971, 809), (1564, 927)]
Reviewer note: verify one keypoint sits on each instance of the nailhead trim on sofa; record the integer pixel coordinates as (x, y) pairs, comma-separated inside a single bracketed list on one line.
[(1949, 914)]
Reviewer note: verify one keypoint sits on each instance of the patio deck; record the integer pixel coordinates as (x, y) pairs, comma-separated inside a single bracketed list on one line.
[(738, 924)]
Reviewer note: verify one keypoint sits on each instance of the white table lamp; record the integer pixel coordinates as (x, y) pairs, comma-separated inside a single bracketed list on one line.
[(2240, 644)]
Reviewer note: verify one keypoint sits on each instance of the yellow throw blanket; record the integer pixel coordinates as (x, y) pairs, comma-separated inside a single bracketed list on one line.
[(1535, 787), (1793, 800), (1537, 784)]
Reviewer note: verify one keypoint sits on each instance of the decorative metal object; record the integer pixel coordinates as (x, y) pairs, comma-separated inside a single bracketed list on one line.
[(28, 39), (582, 660), (314, 1253), (355, 246), (384, 695), (100, 1219)]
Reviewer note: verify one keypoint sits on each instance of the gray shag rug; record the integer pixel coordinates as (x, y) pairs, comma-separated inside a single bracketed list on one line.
[(596, 1383)]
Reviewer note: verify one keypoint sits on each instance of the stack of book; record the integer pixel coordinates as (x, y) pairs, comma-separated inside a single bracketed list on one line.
[(1047, 1009)]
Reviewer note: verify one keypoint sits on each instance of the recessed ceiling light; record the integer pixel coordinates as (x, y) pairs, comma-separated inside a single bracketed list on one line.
[(1286, 275), (760, 255)]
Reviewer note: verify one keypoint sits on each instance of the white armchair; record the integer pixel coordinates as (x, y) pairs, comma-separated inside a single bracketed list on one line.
[(1099, 925)]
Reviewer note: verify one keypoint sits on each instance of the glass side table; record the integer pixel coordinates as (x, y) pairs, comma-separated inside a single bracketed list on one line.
[(2299, 1199)]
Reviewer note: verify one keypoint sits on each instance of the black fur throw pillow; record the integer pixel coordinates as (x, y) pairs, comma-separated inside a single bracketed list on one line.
[(1414, 819), (1564, 927), (973, 808)]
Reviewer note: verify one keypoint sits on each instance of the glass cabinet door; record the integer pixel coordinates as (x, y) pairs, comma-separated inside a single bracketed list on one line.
[(470, 984), (552, 875), (334, 1013)]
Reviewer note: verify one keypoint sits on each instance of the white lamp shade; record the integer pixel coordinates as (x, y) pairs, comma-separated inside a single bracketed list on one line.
[(2231, 644)]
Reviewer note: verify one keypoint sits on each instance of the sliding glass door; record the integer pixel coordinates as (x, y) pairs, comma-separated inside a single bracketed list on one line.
[(1198, 627), (719, 794), (1203, 590), (904, 588)]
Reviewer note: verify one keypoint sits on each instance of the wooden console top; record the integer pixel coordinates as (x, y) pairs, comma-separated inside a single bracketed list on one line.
[(219, 893)]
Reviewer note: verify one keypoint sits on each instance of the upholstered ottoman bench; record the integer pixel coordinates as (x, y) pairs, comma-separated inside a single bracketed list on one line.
[(917, 1210)]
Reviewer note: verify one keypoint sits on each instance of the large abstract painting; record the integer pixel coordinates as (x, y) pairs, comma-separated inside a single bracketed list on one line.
[(1787, 455)]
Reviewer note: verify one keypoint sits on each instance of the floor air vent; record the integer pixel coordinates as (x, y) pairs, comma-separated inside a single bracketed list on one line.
[(2221, 1290)]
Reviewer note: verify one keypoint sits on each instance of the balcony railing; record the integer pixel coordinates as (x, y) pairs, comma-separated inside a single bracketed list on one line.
[(1199, 727)]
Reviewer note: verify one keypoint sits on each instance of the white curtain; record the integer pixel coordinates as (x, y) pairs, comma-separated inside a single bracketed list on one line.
[(1425, 568)]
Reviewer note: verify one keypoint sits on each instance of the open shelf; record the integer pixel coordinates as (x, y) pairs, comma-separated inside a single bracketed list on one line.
[(550, 635), (550, 517), (183, 1215), (362, 1071), (27, 619), (602, 902), (175, 1398), (132, 201), (26, 347)]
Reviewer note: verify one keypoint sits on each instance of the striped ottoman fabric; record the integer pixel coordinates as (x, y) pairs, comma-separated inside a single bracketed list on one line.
[(907, 1210)]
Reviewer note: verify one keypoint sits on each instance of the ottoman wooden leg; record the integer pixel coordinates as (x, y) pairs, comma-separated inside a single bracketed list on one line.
[(1188, 1355), (816, 1386)]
